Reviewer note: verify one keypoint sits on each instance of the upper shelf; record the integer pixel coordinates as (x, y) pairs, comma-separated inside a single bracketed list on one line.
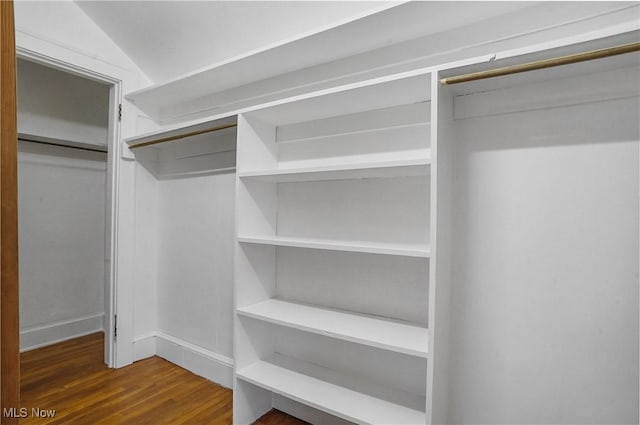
[(287, 106), (322, 45), (378, 93), (193, 132), (207, 148), (377, 46)]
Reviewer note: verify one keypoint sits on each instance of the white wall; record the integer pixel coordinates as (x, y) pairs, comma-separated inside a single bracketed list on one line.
[(61, 194), (195, 266), (545, 267), (58, 105), (198, 34), (62, 22)]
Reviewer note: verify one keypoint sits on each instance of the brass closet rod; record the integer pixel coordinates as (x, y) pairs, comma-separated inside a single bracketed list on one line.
[(541, 64), (182, 136)]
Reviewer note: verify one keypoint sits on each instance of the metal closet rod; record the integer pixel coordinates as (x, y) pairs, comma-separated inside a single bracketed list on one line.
[(541, 64), (183, 135), (62, 145)]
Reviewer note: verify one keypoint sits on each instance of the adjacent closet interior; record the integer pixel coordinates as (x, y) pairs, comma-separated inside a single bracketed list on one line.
[(63, 122)]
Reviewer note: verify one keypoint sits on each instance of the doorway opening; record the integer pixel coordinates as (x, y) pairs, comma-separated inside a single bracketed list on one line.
[(67, 130)]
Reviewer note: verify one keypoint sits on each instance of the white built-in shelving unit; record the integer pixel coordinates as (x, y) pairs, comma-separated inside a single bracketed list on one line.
[(359, 207), (334, 219), (347, 202)]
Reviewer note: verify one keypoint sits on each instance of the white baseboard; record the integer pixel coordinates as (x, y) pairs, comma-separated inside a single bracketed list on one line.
[(144, 346), (51, 333), (206, 363)]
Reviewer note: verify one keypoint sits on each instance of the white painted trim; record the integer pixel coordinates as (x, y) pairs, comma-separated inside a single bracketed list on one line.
[(196, 348), (51, 333), (119, 289), (198, 360), (38, 43), (202, 106)]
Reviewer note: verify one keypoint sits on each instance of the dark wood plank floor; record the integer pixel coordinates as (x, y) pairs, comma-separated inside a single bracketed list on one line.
[(71, 378)]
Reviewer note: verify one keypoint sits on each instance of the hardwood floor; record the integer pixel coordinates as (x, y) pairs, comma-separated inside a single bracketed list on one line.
[(71, 378)]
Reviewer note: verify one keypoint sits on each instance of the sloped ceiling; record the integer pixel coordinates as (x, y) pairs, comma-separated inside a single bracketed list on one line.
[(167, 39)]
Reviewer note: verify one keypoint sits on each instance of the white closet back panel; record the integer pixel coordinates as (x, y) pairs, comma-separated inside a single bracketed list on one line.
[(257, 270), (379, 366), (383, 285), (381, 210), (388, 134), (349, 100), (546, 235), (62, 242)]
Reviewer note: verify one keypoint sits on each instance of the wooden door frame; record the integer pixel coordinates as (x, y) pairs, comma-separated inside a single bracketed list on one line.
[(9, 327)]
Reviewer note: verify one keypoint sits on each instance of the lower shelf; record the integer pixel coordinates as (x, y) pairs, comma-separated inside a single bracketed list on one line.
[(350, 398)]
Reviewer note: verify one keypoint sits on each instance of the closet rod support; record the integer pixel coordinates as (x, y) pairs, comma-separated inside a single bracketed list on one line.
[(541, 64), (182, 136)]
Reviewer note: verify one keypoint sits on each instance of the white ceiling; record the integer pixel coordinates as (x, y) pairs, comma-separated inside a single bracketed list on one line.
[(170, 38)]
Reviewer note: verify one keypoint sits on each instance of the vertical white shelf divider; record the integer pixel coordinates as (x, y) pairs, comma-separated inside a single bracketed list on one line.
[(254, 272), (439, 279)]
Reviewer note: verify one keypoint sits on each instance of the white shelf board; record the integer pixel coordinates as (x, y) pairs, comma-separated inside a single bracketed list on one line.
[(320, 46), (180, 130), (334, 392), (404, 168), (29, 137), (408, 250), (377, 93), (393, 335)]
